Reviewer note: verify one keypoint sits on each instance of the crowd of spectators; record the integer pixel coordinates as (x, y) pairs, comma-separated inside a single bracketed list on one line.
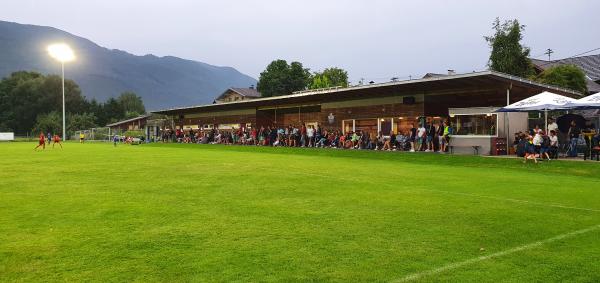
[(536, 143), (430, 137)]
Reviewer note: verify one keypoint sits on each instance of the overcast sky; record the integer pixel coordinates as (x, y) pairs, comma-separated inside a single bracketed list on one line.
[(373, 39)]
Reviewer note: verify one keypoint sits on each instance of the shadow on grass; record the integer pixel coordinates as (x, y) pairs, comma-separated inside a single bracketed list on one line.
[(584, 169)]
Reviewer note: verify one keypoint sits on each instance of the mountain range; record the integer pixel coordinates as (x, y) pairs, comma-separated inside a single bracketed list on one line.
[(101, 73)]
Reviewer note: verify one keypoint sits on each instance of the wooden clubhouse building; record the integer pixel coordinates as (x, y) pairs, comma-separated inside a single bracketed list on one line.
[(467, 100)]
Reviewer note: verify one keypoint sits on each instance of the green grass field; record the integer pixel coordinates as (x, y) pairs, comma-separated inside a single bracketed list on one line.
[(174, 213)]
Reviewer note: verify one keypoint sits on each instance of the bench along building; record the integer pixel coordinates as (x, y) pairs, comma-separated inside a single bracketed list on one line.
[(467, 100)]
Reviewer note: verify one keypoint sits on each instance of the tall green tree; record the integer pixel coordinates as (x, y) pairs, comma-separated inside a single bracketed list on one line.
[(81, 121), (330, 77), (319, 81), (48, 123), (50, 92), (131, 103), (281, 78), (26, 95), (508, 54), (567, 76), (28, 98), (298, 77), (19, 98), (112, 111)]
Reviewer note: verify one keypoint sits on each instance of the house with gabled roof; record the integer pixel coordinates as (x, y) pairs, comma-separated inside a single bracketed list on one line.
[(590, 65), (237, 94)]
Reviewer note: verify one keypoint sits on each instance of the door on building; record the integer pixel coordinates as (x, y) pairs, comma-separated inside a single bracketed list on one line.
[(385, 125), (347, 126)]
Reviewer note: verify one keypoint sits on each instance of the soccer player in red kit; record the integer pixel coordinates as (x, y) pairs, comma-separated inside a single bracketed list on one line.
[(42, 142), (56, 140)]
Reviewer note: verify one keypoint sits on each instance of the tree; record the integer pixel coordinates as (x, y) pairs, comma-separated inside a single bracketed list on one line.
[(298, 77), (131, 103), (82, 121), (21, 101), (568, 76), (50, 93), (93, 107), (330, 77), (279, 78), (319, 81), (28, 100), (48, 123), (112, 111), (26, 95), (508, 55)]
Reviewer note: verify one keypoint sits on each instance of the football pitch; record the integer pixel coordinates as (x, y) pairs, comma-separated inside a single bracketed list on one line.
[(173, 212)]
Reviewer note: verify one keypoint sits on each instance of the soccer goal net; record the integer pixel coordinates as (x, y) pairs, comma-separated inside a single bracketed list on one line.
[(94, 134)]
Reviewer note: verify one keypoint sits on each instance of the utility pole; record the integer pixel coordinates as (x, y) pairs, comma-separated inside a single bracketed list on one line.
[(549, 52)]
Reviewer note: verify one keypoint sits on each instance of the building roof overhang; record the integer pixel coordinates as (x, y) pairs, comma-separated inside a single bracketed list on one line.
[(426, 86)]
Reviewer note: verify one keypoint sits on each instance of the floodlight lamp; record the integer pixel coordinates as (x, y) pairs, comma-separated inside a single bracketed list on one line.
[(61, 52)]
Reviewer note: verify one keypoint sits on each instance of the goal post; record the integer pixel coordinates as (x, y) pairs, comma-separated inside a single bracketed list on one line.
[(94, 134)]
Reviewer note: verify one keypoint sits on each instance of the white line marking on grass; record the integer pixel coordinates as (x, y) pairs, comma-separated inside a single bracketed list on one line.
[(515, 200), (419, 275)]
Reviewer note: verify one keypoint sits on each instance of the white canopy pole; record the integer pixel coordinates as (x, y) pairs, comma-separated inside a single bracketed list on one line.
[(507, 122), (546, 121)]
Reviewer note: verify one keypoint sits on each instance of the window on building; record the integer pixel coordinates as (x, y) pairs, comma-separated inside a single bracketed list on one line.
[(475, 124), (366, 125), (404, 124)]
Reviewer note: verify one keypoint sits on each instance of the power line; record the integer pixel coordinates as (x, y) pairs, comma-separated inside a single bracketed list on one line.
[(584, 53), (576, 55), (538, 56), (409, 77)]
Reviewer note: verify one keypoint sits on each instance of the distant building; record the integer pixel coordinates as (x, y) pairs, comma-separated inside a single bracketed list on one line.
[(436, 75), (589, 64), (133, 124), (237, 94), (150, 124), (433, 75)]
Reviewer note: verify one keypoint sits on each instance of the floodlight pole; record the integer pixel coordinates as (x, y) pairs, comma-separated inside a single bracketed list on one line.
[(62, 63)]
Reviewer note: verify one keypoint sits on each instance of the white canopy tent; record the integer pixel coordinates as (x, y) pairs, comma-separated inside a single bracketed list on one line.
[(540, 102), (588, 102)]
